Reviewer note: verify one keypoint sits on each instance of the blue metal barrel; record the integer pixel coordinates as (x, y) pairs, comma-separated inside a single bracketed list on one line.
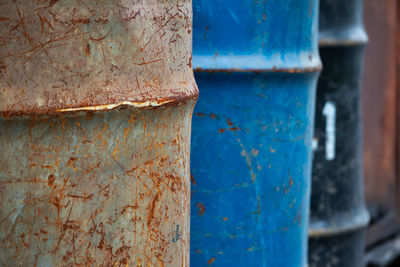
[(256, 64)]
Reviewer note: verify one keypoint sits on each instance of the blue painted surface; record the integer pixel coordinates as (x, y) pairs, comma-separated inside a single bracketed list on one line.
[(252, 130)]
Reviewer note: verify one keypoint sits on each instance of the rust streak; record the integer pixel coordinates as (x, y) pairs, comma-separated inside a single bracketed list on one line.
[(151, 209), (64, 228), (101, 38), (52, 3), (88, 197), (22, 20), (201, 208), (210, 261), (148, 62)]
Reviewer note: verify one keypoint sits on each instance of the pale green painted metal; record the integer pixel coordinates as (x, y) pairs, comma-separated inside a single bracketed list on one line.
[(96, 99)]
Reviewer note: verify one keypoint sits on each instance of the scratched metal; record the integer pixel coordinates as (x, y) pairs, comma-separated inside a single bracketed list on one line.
[(256, 64), (60, 54), (338, 216), (96, 99)]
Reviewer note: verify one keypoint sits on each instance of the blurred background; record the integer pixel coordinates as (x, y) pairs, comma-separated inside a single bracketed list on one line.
[(381, 98)]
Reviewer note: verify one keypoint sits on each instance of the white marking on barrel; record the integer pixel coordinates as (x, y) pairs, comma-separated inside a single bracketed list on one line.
[(329, 112), (314, 144)]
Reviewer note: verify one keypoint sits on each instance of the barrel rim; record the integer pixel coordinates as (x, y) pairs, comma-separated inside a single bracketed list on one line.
[(77, 110), (339, 223)]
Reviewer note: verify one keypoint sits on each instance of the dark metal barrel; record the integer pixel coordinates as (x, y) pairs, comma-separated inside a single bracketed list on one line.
[(338, 215), (96, 99), (256, 64)]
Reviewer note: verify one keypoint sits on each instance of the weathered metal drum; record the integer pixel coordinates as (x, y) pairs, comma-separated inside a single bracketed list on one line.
[(256, 64), (338, 214), (96, 99)]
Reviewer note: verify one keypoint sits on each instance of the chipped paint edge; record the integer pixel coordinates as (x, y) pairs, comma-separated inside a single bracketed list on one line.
[(116, 105)]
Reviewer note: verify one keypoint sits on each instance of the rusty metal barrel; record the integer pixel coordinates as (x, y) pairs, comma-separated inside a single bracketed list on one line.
[(96, 100), (338, 214), (256, 64)]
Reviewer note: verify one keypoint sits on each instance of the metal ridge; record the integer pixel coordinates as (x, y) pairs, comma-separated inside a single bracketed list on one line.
[(97, 107), (260, 70), (351, 37), (332, 227), (332, 42)]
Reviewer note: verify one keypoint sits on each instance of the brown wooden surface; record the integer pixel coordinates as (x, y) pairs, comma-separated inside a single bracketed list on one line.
[(379, 106)]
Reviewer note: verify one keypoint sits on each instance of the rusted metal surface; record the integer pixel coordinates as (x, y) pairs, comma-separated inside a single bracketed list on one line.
[(96, 104), (68, 54), (97, 189), (379, 107)]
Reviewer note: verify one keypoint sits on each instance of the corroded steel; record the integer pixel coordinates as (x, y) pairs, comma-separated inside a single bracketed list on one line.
[(96, 100), (338, 214), (60, 54), (256, 64)]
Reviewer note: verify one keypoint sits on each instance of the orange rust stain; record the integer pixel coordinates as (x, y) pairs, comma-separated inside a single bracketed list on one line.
[(147, 62), (51, 179), (254, 152), (126, 208), (225, 219), (232, 129), (210, 261), (115, 149), (198, 251), (290, 182), (105, 127), (200, 114), (43, 231), (192, 179), (213, 116), (151, 209), (230, 123), (47, 167), (126, 132), (32, 165), (173, 183), (71, 162), (80, 21), (201, 208), (84, 198), (23, 240), (87, 50)]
